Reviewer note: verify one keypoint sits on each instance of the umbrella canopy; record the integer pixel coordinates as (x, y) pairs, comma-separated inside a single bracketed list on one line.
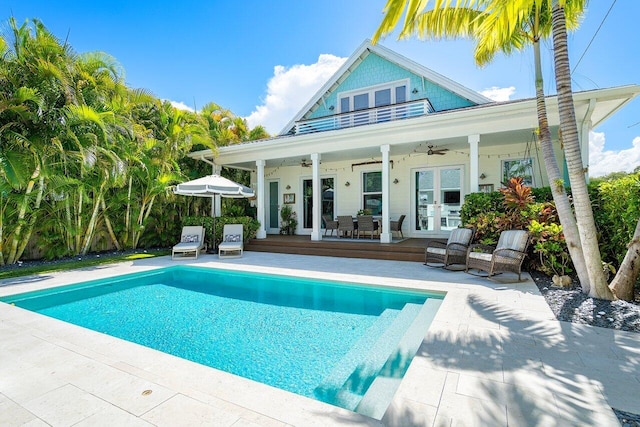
[(212, 185)]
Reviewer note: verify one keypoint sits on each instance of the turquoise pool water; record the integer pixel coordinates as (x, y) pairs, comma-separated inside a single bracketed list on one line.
[(321, 339)]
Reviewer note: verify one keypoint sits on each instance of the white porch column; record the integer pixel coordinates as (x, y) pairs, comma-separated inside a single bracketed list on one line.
[(385, 235), (262, 232), (216, 201), (474, 168), (316, 216)]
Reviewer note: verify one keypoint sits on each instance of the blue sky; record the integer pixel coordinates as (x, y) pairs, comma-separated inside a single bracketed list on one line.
[(264, 60)]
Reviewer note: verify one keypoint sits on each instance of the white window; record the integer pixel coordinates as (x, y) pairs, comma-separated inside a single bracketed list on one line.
[(522, 168), (372, 192), (376, 96)]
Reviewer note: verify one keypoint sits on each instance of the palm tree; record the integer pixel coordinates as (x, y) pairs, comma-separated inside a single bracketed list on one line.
[(624, 281), (506, 26)]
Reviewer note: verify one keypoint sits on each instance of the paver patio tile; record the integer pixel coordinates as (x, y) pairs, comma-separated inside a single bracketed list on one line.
[(12, 414), (112, 416), (65, 406), (184, 411)]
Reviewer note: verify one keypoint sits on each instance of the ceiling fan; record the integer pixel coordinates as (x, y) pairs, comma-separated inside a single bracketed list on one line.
[(305, 163), (439, 151)]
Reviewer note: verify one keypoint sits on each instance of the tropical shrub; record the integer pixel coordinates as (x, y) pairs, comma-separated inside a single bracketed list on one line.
[(515, 208), (549, 244), (616, 208), (477, 203)]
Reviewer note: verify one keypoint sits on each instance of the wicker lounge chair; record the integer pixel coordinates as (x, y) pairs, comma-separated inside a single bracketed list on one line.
[(366, 224), (345, 226), (232, 241), (191, 242), (454, 251), (397, 226), (506, 256), (329, 225)]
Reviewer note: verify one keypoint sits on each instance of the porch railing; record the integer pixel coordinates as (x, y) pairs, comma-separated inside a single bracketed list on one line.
[(369, 116)]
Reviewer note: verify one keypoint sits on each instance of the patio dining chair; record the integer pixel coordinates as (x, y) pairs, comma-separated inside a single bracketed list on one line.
[(329, 225), (507, 255), (454, 251), (366, 224), (397, 226), (345, 226)]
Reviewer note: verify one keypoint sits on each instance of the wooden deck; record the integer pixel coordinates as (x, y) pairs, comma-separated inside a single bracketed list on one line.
[(404, 250)]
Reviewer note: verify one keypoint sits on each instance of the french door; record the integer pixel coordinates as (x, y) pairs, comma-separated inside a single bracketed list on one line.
[(437, 194), (327, 197)]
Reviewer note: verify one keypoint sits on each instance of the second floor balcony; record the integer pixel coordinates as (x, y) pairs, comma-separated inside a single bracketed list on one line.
[(367, 116)]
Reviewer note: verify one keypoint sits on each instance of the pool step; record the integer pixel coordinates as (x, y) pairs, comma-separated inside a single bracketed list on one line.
[(348, 382), (377, 398)]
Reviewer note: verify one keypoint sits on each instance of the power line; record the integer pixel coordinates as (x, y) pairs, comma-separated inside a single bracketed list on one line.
[(594, 36)]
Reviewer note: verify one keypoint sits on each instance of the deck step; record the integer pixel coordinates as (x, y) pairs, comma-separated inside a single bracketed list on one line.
[(355, 372), (344, 248)]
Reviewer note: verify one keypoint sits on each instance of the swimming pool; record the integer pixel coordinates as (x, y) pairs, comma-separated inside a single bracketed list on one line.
[(335, 342)]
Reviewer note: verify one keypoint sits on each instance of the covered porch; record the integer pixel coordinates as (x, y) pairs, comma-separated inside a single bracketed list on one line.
[(422, 167)]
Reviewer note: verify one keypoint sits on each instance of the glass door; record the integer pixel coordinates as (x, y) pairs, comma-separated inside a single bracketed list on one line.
[(273, 213), (437, 199), (327, 199)]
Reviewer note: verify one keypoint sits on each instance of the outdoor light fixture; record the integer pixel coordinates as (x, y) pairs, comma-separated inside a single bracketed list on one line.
[(414, 91), (483, 176), (331, 108), (395, 181), (346, 184), (288, 187)]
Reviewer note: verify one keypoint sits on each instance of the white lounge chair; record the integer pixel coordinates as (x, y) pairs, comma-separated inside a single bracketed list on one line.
[(232, 241), (191, 242)]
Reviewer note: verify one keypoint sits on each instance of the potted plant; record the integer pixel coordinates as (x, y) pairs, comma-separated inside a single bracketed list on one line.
[(289, 221)]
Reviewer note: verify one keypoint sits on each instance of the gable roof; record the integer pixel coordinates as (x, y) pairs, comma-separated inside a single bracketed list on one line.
[(356, 58)]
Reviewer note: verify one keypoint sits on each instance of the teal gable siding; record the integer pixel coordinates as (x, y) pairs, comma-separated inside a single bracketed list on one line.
[(375, 70)]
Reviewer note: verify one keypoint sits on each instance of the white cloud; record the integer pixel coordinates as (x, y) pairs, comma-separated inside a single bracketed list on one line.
[(180, 105), (499, 93), (603, 162), (290, 89)]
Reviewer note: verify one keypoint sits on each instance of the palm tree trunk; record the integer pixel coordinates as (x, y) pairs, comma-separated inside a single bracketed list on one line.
[(2, 212), (68, 232), (581, 201), (623, 284), (127, 216), (32, 220), (563, 206), (145, 211), (78, 236), (93, 220), (107, 222), (12, 257)]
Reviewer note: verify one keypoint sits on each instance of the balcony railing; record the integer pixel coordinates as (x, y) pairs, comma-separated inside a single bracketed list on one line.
[(369, 116)]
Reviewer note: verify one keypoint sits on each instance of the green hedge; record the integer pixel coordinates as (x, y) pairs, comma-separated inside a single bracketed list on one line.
[(616, 209)]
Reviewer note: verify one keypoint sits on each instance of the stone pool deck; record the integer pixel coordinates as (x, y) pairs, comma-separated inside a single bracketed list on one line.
[(494, 356)]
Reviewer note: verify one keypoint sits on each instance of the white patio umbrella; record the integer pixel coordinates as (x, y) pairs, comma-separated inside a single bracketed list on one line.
[(211, 186)]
